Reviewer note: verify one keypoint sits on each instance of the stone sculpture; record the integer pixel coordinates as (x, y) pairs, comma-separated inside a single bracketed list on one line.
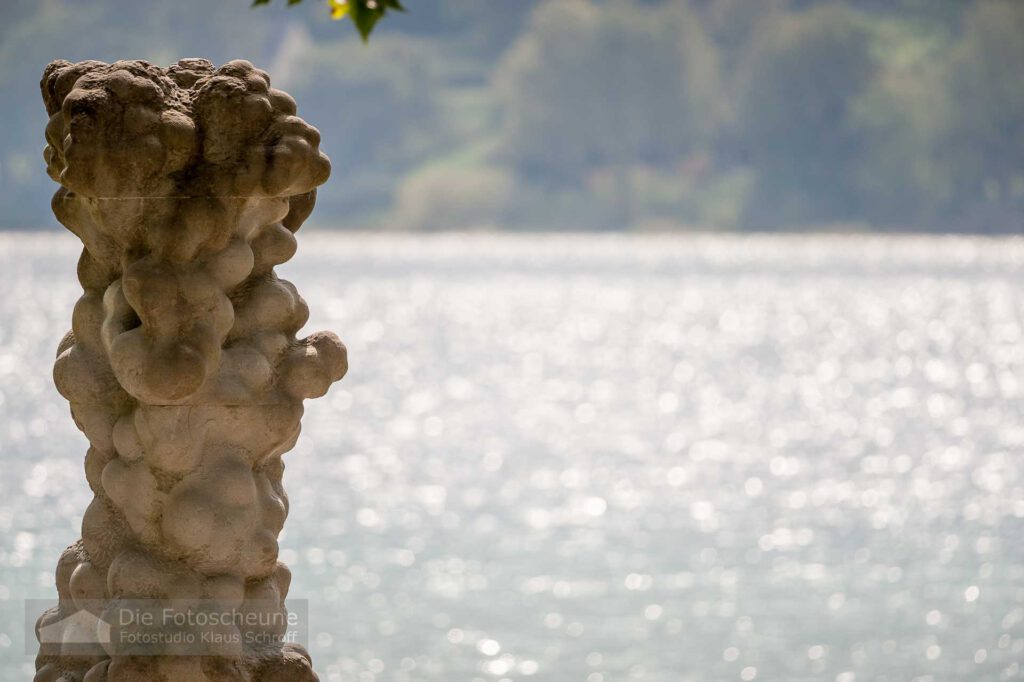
[(182, 368)]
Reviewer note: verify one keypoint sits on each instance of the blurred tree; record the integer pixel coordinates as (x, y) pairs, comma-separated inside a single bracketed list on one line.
[(605, 85), (799, 83), (454, 198), (480, 28), (487, 28), (983, 146), (382, 108), (732, 23), (903, 114), (898, 178)]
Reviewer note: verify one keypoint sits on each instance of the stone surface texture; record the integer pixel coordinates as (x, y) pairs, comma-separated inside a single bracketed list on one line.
[(186, 185)]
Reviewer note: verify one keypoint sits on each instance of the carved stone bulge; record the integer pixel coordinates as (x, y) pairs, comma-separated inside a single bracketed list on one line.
[(183, 369)]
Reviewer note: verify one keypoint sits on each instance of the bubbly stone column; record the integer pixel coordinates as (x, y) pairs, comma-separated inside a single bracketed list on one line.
[(182, 367)]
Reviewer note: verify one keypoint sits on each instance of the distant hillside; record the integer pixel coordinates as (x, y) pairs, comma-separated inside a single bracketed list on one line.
[(596, 115)]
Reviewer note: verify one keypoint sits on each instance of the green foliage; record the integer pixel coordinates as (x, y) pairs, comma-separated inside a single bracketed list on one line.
[(447, 197), (606, 83), (983, 140), (381, 113), (902, 114), (605, 86), (798, 88), (597, 114), (943, 123), (364, 13)]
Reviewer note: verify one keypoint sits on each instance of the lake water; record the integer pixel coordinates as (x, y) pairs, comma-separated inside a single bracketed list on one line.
[(603, 459)]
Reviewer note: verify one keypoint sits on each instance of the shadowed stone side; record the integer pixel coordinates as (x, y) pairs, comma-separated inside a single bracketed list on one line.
[(182, 367)]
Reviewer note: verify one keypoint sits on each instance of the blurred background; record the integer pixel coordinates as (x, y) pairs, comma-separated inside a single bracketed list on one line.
[(592, 115), (633, 452)]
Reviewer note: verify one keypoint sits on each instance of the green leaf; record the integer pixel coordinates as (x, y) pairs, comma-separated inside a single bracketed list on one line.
[(257, 3), (365, 18), (293, 2)]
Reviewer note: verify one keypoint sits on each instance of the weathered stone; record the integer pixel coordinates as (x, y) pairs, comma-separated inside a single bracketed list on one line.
[(186, 186)]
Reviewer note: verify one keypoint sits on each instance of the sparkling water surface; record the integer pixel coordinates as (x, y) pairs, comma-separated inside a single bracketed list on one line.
[(603, 459)]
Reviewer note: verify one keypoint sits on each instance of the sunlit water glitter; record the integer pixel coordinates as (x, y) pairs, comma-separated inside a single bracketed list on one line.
[(598, 459)]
